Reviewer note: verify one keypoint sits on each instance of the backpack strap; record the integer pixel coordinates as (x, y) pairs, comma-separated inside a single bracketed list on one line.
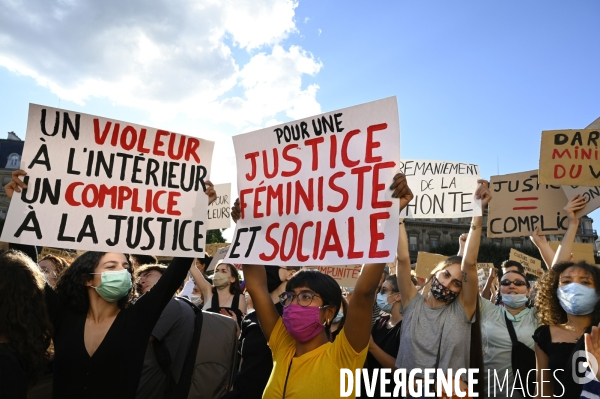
[(214, 301), (235, 302), (185, 380), (511, 329), (163, 357)]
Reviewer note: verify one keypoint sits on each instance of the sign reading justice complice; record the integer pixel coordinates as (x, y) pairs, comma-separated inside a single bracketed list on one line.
[(316, 191), (106, 185)]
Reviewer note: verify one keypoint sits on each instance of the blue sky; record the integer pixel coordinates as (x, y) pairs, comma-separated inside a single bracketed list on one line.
[(476, 81)]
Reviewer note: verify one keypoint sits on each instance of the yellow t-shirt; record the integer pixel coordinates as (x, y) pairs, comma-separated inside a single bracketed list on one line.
[(315, 374)]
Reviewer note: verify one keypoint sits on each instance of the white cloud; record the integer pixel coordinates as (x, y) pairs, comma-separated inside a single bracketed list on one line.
[(164, 56)]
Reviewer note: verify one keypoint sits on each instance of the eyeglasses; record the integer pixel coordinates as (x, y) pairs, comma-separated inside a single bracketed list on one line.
[(304, 298), (384, 291), (517, 283)]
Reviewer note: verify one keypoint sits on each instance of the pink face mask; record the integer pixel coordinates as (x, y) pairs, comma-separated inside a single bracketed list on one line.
[(302, 323)]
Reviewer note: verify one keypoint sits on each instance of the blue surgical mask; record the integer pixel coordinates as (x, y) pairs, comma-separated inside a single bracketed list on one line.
[(382, 303), (577, 299), (514, 301), (338, 317)]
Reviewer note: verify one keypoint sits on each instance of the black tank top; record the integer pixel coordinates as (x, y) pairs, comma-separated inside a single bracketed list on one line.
[(235, 306)]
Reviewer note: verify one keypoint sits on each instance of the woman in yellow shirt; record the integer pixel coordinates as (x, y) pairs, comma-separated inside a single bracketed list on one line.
[(305, 363)]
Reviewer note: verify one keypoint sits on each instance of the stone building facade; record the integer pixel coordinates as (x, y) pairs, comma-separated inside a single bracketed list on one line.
[(11, 149), (428, 234)]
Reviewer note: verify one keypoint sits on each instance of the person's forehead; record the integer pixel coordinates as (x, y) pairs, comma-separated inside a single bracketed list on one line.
[(300, 289), (387, 284), (575, 271), (512, 277), (46, 263), (114, 257)]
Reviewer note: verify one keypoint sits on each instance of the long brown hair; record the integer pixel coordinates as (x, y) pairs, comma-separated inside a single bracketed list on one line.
[(24, 319)]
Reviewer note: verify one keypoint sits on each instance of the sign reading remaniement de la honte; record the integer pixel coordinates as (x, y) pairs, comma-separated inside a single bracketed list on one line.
[(316, 191), (106, 185)]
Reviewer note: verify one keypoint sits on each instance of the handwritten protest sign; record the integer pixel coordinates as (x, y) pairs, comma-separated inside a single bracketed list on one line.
[(105, 185), (57, 252), (592, 195), (441, 189), (316, 191), (426, 262), (570, 157), (345, 276), (521, 204), (219, 210), (532, 265), (580, 250), (218, 256)]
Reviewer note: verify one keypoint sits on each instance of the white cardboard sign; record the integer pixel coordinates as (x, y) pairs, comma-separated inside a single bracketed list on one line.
[(316, 191), (441, 189), (219, 210), (105, 185)]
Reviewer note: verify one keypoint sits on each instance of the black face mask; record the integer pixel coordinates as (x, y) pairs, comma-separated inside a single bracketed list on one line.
[(273, 279)]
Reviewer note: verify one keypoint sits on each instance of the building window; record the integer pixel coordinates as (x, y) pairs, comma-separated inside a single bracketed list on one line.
[(517, 244), (14, 161), (434, 242), (412, 243), (497, 242)]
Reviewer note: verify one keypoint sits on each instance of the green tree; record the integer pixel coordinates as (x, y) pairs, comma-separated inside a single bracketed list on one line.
[(214, 237)]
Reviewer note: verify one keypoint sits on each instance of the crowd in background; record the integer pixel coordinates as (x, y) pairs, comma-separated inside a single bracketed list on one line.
[(113, 325)]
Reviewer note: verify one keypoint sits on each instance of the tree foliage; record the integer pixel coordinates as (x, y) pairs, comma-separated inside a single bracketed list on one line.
[(214, 237)]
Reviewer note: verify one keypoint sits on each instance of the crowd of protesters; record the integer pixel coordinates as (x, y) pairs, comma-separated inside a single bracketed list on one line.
[(113, 325)]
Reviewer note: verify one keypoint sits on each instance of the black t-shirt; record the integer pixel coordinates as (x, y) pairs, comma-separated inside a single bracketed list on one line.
[(559, 359), (387, 339), (114, 370), (257, 360), (13, 378)]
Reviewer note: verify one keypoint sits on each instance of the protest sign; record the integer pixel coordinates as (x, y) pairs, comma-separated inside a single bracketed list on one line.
[(345, 276), (521, 204), (219, 210), (212, 249), (317, 191), (580, 250), (532, 265), (592, 195), (441, 189), (57, 252), (105, 185), (570, 157), (426, 262), (218, 255), (481, 278)]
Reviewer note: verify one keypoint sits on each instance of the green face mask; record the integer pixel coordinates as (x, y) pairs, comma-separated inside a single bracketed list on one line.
[(114, 285)]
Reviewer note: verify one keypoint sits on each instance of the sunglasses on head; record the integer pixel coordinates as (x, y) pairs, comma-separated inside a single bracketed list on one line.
[(517, 283)]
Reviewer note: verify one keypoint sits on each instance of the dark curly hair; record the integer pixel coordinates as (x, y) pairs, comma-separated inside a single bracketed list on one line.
[(72, 289), (546, 301), (23, 316)]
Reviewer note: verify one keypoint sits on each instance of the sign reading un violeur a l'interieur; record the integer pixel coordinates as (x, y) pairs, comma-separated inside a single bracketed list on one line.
[(105, 185), (316, 191)]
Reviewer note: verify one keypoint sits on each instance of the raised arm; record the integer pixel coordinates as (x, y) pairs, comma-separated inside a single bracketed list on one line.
[(462, 240), (563, 253), (204, 286), (487, 290), (542, 245), (470, 288), (405, 285), (360, 308), (256, 283)]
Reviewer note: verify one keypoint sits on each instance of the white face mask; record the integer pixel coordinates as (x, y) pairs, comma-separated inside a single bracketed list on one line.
[(196, 299)]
